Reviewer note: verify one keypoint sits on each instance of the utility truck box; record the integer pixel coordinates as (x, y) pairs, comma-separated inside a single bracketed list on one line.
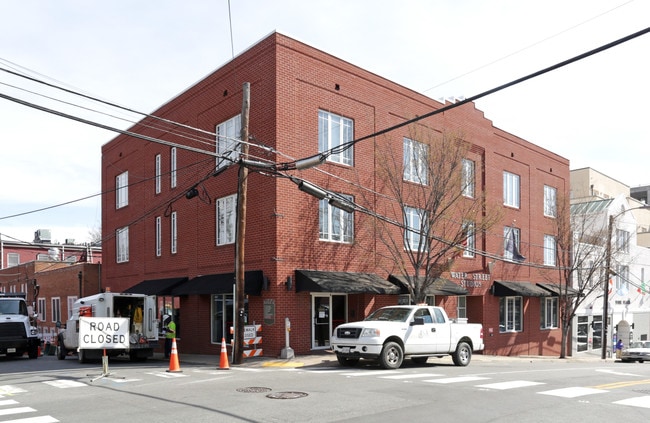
[(391, 334), (138, 309), (18, 332)]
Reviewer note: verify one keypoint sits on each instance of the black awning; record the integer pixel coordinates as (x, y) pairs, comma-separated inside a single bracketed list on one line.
[(524, 289), (558, 290), (346, 282), (222, 283), (440, 286), (156, 286)]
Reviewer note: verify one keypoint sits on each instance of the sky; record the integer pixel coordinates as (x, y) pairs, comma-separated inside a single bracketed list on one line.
[(142, 54)]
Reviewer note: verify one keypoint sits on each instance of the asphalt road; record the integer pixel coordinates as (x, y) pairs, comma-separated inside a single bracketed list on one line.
[(489, 389)]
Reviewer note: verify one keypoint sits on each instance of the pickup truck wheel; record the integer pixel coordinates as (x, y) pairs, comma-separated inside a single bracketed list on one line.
[(348, 362), (391, 356), (463, 354), (61, 352)]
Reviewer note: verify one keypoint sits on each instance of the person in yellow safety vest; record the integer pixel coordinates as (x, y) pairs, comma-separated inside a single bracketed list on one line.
[(170, 334), (137, 319)]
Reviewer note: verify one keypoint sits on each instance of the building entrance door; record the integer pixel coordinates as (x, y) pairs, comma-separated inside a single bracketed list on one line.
[(327, 311)]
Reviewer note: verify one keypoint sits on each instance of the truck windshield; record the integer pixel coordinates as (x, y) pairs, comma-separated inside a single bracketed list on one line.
[(9, 307), (390, 314)]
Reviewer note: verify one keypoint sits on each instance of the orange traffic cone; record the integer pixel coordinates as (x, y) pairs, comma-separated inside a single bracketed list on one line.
[(223, 361), (173, 359)]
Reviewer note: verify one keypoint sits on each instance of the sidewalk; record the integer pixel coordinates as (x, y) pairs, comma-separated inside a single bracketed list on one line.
[(328, 358)]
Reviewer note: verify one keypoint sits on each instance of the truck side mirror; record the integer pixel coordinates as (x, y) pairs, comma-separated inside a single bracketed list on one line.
[(417, 321)]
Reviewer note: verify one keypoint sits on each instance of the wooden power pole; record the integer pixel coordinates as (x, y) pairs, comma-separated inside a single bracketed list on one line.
[(241, 230)]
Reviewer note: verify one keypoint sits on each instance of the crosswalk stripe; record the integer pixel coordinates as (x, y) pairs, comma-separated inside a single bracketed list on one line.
[(370, 373), (457, 379), (167, 375), (573, 392), (411, 376), (16, 410), (643, 402), (8, 402), (39, 419), (62, 383), (509, 385)]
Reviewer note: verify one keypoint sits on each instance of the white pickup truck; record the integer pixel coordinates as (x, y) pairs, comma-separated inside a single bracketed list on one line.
[(393, 333)]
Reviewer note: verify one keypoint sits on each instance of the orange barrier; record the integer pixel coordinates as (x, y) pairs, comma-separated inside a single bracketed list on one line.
[(174, 366), (223, 361)]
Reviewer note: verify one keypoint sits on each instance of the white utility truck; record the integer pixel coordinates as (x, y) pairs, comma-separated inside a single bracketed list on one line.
[(18, 332), (140, 309), (393, 333)]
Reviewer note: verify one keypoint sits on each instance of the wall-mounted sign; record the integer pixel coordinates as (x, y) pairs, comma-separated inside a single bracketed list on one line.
[(269, 311)]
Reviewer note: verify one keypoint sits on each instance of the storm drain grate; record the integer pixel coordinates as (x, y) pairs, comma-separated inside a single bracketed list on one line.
[(287, 395), (253, 389)]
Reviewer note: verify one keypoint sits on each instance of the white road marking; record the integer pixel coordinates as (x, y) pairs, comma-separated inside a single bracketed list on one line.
[(16, 410), (643, 402), (509, 385), (40, 419), (8, 390), (63, 383), (370, 373), (8, 402), (457, 379), (573, 392), (411, 376), (167, 374)]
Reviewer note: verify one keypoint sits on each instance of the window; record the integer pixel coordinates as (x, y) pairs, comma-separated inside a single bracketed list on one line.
[(226, 224), (510, 316), (122, 190), (512, 244), (416, 159), (510, 189), (158, 174), (415, 233), (172, 167), (470, 240), (41, 309), (71, 301), (549, 313), (335, 224), (550, 201), (122, 244), (13, 259), (158, 236), (334, 131), (228, 145), (56, 309), (174, 232), (462, 307), (622, 278), (468, 178), (622, 241), (549, 250)]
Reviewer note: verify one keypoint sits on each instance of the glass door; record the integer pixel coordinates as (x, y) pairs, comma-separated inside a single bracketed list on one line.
[(328, 311)]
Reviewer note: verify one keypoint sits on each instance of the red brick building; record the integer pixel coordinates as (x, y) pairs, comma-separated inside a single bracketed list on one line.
[(169, 216)]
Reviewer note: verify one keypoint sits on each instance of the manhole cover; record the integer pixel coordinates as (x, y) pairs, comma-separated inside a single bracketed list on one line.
[(287, 395), (253, 389)]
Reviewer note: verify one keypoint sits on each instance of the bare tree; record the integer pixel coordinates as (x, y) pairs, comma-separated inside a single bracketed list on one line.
[(431, 189), (581, 236)]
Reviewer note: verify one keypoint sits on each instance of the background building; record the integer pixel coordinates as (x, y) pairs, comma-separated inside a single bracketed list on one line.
[(169, 215)]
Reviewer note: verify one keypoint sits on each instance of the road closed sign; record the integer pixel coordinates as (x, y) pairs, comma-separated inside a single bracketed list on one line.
[(103, 332)]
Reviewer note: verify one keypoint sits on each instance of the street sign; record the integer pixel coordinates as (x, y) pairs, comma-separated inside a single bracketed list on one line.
[(104, 332)]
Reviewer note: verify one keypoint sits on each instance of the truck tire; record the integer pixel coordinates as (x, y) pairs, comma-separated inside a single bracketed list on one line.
[(347, 362), (463, 354), (33, 351), (391, 356), (61, 352)]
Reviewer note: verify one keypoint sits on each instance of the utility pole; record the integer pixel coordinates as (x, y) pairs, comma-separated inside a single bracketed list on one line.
[(608, 265), (241, 229)]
